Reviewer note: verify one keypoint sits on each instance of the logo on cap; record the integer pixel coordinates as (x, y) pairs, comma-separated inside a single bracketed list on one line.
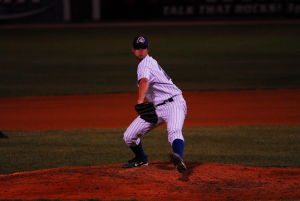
[(140, 42), (141, 39)]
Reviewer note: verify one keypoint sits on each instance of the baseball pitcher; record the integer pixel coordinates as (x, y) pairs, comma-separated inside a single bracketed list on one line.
[(159, 101)]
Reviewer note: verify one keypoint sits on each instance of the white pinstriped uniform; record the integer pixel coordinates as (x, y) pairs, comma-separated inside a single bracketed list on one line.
[(160, 89)]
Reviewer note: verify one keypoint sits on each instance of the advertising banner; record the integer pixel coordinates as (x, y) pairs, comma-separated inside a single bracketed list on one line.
[(19, 11), (200, 9), (30, 10)]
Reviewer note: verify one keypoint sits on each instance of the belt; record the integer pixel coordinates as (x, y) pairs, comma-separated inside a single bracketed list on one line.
[(165, 101)]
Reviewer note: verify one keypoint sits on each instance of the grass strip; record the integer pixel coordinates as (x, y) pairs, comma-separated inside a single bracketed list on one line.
[(244, 145)]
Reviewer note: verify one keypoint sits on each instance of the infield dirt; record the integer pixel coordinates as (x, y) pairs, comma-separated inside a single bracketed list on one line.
[(158, 181), (218, 108)]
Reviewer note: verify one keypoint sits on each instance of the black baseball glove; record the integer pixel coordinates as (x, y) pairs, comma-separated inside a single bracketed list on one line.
[(147, 112)]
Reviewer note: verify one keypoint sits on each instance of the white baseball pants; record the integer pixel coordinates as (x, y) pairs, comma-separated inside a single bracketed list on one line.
[(172, 113)]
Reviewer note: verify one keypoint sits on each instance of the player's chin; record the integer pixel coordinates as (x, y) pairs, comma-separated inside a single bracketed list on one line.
[(141, 56)]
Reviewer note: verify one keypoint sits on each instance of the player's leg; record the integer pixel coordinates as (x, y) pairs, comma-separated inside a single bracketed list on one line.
[(132, 136), (175, 113), (174, 118), (175, 136)]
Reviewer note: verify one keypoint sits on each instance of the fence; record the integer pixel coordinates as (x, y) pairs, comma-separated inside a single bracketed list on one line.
[(20, 11)]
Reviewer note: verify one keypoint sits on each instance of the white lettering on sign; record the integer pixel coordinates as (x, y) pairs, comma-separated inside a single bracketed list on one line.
[(230, 7), (178, 10)]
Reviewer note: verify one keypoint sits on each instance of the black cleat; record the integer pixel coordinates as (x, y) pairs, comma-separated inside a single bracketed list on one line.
[(177, 162), (136, 162)]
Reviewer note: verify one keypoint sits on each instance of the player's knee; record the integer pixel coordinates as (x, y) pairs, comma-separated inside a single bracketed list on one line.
[(175, 134), (126, 138), (129, 138)]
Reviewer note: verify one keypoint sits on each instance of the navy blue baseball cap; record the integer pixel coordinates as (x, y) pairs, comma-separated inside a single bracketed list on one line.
[(140, 42)]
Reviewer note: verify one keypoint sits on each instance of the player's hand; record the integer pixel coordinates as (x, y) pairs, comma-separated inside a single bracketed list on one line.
[(140, 101)]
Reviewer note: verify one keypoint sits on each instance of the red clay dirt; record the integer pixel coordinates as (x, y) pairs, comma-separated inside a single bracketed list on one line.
[(220, 108), (158, 181)]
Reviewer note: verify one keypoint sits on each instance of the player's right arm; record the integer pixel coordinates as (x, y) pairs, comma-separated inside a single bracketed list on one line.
[(143, 88)]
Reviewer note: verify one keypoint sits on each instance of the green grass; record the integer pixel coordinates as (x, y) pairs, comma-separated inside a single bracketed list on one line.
[(253, 145), (98, 60)]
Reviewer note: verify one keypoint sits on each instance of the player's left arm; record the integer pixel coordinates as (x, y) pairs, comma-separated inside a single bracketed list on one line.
[(143, 88), (146, 110)]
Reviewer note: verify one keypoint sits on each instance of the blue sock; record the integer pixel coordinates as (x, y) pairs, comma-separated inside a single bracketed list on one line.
[(138, 151), (178, 147)]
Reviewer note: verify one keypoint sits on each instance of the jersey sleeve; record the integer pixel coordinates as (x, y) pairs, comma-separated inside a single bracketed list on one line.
[(143, 72)]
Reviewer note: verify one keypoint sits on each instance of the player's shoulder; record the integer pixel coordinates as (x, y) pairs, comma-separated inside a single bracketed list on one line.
[(148, 61)]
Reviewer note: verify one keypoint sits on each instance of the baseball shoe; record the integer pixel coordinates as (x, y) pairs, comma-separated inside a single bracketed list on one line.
[(136, 162), (177, 162)]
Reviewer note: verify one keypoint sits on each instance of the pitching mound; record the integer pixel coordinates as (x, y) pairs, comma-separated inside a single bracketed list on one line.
[(158, 181)]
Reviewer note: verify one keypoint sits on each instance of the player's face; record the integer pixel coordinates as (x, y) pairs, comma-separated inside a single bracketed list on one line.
[(140, 53)]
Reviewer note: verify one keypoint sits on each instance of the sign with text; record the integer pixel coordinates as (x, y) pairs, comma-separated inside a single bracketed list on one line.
[(166, 9), (232, 8), (31, 10)]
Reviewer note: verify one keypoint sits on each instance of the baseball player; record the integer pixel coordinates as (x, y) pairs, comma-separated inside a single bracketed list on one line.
[(159, 101)]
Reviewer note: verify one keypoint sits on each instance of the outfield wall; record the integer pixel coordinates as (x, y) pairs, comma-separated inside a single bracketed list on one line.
[(24, 11)]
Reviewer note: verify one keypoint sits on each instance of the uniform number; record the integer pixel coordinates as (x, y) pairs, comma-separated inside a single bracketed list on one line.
[(167, 76)]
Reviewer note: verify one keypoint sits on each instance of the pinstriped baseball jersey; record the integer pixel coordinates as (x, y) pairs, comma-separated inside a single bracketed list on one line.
[(161, 86)]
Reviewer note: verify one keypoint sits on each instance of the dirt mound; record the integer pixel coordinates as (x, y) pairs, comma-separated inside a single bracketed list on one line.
[(158, 181)]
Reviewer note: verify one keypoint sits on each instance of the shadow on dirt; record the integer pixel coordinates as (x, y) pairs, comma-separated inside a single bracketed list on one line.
[(164, 165), (185, 175), (190, 169)]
